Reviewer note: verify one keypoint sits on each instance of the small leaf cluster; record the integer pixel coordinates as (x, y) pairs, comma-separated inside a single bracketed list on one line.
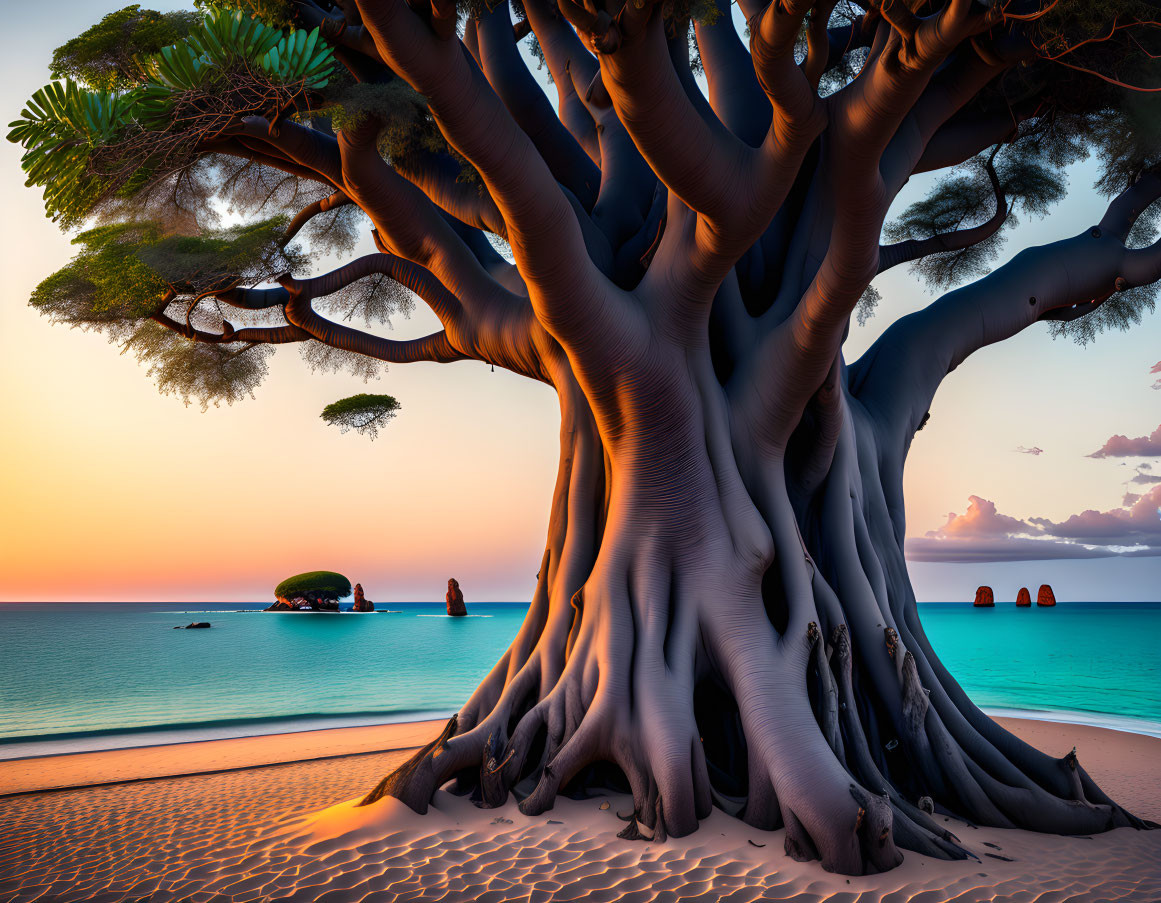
[(363, 413)]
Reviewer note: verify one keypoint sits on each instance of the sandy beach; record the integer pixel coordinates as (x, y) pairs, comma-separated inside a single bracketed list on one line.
[(217, 821)]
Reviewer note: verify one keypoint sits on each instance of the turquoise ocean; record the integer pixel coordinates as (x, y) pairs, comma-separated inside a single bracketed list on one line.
[(100, 676)]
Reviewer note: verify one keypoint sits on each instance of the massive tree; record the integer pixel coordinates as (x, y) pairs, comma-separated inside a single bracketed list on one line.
[(722, 614)]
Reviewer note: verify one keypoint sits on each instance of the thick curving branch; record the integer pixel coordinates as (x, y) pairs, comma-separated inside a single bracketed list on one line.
[(525, 100), (898, 376), (410, 225), (566, 290), (572, 67), (259, 335), (734, 91), (309, 212)]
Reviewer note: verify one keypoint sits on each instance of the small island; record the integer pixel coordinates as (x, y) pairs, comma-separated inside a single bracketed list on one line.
[(311, 591)]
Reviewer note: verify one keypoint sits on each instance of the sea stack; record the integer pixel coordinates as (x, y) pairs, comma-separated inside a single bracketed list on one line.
[(361, 603), (1045, 598), (984, 598), (1023, 598), (455, 599)]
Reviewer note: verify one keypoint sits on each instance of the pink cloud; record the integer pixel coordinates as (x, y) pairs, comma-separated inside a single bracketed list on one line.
[(979, 521), (1135, 524), (982, 533), (1034, 450), (1124, 447)]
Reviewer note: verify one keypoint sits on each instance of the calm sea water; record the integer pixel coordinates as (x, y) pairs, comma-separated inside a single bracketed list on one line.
[(90, 676)]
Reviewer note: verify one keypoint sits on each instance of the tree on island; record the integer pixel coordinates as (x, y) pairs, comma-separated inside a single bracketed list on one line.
[(318, 590), (723, 614)]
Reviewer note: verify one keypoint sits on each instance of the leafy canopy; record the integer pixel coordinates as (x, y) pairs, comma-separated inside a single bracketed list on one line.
[(127, 273), (314, 585), (132, 126), (104, 57)]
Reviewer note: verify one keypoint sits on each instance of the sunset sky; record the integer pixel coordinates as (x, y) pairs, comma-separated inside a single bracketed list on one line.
[(111, 491)]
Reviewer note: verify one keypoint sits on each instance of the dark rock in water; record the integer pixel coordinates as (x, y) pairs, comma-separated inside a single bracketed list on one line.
[(1045, 598), (984, 598), (1023, 598), (194, 626), (455, 599), (361, 603)]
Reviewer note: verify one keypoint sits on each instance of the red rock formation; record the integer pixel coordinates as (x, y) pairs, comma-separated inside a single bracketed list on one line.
[(455, 599), (1045, 597), (361, 603), (1023, 598), (984, 598)]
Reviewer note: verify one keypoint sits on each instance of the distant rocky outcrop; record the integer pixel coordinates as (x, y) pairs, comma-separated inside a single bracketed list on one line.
[(361, 603), (194, 626), (455, 599), (1045, 598), (985, 598), (1023, 598)]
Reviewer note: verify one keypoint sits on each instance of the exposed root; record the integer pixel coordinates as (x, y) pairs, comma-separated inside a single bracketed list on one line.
[(414, 782)]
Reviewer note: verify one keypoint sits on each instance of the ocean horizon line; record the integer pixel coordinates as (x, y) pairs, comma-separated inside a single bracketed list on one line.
[(964, 601)]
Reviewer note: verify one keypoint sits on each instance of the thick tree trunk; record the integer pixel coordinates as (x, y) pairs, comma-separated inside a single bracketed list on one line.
[(718, 624)]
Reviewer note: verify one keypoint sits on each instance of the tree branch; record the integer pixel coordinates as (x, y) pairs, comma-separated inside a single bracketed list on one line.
[(573, 68), (898, 376), (309, 212), (566, 290), (525, 100), (957, 240)]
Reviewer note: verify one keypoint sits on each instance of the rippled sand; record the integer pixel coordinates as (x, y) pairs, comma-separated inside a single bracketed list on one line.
[(258, 834)]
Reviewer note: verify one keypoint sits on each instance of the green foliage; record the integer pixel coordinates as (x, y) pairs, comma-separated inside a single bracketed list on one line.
[(314, 585), (1030, 185), (363, 413), (59, 129), (104, 58), (197, 371), (278, 13), (86, 147), (867, 304), (123, 271), (408, 133), (126, 273), (1122, 311)]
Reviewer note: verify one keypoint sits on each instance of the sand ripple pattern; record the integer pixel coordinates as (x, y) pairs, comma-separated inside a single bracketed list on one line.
[(256, 835)]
